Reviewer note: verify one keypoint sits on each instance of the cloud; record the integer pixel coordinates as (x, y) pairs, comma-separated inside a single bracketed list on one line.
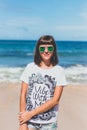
[(20, 27), (21, 22), (83, 12), (83, 15), (11, 7), (70, 32), (24, 21), (71, 27), (2, 5)]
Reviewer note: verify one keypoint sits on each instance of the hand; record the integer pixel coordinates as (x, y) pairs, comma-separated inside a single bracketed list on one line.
[(24, 117)]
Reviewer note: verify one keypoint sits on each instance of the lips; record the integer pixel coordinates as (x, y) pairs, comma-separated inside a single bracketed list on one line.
[(46, 54)]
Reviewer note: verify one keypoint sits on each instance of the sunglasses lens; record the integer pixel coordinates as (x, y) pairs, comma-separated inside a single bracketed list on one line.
[(50, 48), (42, 49)]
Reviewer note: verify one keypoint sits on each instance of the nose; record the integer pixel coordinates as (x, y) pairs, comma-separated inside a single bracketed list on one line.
[(46, 50)]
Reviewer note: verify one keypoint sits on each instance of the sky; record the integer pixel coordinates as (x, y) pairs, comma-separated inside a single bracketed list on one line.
[(30, 19)]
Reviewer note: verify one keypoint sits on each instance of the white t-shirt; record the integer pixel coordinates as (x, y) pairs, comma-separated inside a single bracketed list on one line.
[(41, 84)]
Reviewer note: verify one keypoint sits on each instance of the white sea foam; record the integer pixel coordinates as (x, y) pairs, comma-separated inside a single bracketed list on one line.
[(10, 74), (74, 74)]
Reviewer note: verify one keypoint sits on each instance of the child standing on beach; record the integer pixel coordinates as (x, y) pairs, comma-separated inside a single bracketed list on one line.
[(42, 86)]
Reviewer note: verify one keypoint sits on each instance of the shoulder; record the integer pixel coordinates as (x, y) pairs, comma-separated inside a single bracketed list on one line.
[(59, 68), (30, 65)]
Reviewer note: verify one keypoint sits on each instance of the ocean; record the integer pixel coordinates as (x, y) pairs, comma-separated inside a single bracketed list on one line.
[(16, 54)]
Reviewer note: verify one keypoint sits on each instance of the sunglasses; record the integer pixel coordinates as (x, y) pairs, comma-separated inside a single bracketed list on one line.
[(49, 48)]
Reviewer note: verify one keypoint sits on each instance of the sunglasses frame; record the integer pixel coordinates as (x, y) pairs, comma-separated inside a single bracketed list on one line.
[(49, 48)]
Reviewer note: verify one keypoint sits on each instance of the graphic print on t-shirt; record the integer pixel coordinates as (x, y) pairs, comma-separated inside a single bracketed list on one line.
[(41, 89)]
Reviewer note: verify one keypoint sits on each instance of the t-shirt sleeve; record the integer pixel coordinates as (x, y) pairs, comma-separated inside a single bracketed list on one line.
[(61, 78), (25, 75)]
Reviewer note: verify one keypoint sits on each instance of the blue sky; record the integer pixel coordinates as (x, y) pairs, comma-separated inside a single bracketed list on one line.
[(29, 19)]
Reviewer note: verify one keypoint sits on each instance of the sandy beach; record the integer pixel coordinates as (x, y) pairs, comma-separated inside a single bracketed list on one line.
[(72, 110)]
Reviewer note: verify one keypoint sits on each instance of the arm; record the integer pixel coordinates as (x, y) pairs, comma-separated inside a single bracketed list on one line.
[(23, 97), (50, 103), (44, 107), (22, 105)]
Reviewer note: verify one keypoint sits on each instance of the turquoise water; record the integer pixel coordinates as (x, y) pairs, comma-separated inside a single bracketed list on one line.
[(16, 54)]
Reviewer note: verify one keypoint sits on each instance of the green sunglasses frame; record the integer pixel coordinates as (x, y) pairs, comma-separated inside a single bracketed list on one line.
[(49, 48)]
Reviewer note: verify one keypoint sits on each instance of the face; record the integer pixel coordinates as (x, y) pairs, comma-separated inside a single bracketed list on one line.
[(46, 51)]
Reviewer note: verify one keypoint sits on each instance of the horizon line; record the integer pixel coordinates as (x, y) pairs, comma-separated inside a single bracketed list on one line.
[(36, 40)]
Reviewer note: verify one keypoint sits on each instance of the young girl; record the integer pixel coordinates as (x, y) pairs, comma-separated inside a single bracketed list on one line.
[(42, 86)]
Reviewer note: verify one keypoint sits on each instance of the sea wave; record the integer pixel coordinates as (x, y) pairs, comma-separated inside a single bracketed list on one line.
[(10, 74), (74, 74)]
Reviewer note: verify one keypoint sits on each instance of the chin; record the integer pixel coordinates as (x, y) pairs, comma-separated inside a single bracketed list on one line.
[(46, 58)]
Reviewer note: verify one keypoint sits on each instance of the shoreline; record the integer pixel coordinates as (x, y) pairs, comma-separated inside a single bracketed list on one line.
[(72, 109)]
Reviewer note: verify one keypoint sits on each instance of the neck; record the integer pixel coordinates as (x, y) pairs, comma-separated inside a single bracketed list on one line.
[(46, 64)]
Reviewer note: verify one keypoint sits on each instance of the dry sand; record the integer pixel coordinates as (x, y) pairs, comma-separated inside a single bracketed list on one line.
[(9, 105), (72, 110)]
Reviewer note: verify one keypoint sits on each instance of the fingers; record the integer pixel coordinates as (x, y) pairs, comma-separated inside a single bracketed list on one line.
[(20, 118), (21, 121)]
